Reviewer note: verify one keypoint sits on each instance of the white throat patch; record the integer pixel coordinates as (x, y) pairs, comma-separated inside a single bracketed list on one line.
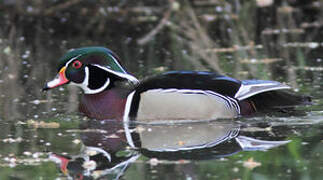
[(85, 83)]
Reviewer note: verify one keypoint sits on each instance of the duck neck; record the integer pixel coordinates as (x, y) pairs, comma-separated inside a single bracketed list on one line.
[(108, 104)]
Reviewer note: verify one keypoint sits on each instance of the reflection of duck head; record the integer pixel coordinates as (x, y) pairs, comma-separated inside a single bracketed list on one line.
[(93, 163), (110, 146)]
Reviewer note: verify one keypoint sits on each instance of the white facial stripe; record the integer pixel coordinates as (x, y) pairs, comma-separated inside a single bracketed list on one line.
[(123, 75), (72, 59), (117, 62)]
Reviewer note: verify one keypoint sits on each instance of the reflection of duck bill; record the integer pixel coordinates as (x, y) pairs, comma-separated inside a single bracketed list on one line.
[(62, 161)]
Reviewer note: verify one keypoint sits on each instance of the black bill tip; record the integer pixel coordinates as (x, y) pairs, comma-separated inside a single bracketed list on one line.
[(45, 88)]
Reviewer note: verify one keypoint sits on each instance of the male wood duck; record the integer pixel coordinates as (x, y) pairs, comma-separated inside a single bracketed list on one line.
[(110, 92)]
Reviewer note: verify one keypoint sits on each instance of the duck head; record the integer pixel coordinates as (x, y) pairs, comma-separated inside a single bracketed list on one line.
[(94, 69)]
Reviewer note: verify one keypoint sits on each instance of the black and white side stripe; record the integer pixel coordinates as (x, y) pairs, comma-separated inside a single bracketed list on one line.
[(230, 102)]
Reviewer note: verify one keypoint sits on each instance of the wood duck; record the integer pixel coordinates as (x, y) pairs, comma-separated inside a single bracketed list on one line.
[(110, 92)]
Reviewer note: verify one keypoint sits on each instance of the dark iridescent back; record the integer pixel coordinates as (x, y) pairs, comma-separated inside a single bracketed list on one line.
[(197, 80)]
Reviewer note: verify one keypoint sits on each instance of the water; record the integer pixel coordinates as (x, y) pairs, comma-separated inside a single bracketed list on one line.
[(279, 42)]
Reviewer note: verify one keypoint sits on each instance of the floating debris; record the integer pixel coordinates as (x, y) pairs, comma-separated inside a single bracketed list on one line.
[(7, 50), (314, 24), (209, 17), (140, 129), (235, 48), (257, 129), (235, 169), (286, 9), (181, 143), (35, 160), (76, 141), (182, 161), (37, 101), (160, 69), (175, 6), (89, 165), (12, 140), (27, 153), (285, 31), (311, 45), (153, 161), (85, 130), (42, 124), (26, 54), (251, 164), (260, 61), (264, 3), (309, 68), (11, 76)]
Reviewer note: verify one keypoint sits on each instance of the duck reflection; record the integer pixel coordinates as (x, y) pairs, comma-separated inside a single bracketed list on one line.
[(110, 146)]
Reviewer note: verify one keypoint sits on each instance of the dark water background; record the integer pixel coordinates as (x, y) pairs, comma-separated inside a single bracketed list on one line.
[(281, 41)]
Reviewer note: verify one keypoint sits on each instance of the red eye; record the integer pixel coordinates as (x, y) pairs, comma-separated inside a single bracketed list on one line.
[(77, 64)]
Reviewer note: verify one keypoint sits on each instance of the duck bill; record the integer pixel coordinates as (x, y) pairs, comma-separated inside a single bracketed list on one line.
[(59, 80)]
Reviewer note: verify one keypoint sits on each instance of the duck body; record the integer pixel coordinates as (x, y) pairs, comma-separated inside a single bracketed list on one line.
[(111, 93), (196, 95), (184, 95)]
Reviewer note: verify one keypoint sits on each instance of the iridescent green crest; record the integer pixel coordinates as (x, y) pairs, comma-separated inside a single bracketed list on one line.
[(95, 54)]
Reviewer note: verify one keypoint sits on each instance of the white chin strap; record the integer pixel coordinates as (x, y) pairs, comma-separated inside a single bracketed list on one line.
[(85, 83)]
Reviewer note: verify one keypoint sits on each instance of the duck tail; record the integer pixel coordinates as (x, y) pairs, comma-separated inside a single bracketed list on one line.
[(271, 101)]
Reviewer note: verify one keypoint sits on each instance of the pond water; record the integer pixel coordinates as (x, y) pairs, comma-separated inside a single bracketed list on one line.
[(44, 137)]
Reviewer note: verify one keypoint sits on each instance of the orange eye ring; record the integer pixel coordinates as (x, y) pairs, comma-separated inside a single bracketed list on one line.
[(77, 64)]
